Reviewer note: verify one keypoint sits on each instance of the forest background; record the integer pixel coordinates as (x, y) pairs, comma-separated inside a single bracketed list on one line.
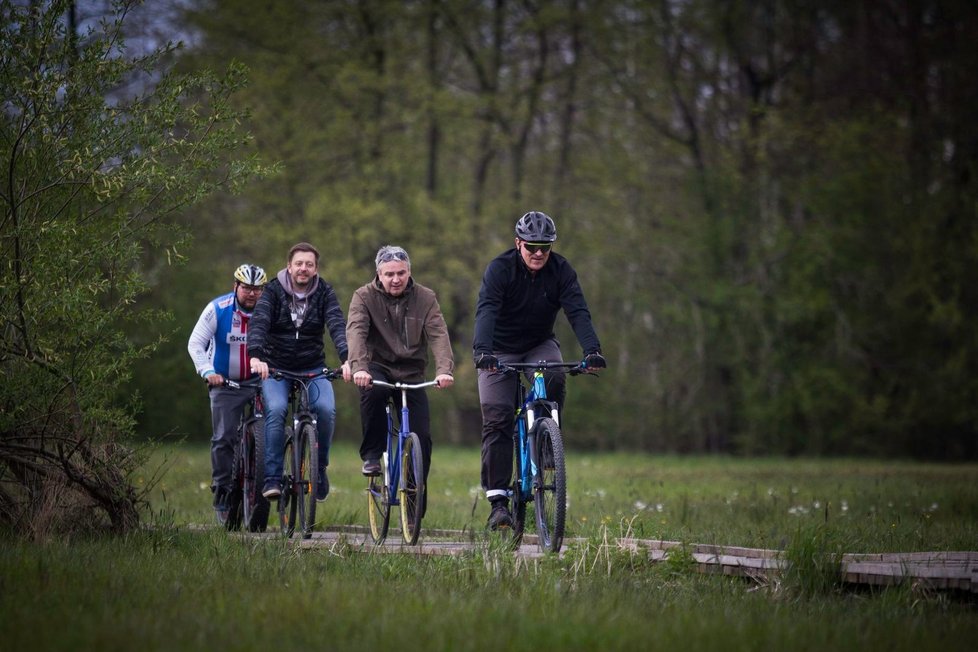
[(771, 204)]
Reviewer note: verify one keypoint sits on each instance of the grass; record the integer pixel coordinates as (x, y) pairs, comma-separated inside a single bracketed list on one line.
[(176, 588)]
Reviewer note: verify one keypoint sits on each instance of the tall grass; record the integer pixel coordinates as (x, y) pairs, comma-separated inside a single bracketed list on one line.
[(171, 587)]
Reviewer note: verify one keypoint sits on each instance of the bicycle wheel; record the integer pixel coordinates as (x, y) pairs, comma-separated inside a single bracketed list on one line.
[(518, 501), (308, 448), (235, 497), (412, 491), (255, 507), (288, 501), (378, 501), (549, 485)]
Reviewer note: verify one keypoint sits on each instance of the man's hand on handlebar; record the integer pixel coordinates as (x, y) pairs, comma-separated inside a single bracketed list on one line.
[(259, 367), (486, 362), (444, 381)]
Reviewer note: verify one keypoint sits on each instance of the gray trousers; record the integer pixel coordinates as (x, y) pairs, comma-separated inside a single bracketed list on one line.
[(227, 407), (497, 395)]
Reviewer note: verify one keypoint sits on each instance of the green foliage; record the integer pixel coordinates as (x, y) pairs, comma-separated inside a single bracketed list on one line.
[(96, 168)]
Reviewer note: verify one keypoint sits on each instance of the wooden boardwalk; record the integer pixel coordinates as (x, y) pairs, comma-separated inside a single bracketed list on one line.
[(926, 570)]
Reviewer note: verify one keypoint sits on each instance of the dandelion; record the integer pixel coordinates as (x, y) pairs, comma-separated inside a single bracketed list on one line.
[(845, 506), (659, 507), (933, 507), (639, 505), (817, 505), (203, 486)]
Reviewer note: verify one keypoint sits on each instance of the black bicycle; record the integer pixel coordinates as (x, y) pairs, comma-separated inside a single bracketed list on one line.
[(297, 504), (246, 505)]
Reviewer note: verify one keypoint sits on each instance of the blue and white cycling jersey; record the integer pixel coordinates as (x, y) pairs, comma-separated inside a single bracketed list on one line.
[(219, 341)]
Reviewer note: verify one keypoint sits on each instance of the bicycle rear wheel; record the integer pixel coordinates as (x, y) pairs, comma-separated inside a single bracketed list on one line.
[(235, 497), (549, 485), (288, 501), (308, 448), (412, 491), (518, 500), (255, 506), (378, 502)]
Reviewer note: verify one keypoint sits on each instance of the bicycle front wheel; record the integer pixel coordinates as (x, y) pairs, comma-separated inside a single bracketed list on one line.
[(288, 501), (549, 485), (255, 506), (308, 448), (378, 503), (235, 497), (412, 491)]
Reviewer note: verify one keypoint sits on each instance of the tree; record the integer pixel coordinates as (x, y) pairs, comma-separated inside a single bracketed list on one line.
[(93, 173)]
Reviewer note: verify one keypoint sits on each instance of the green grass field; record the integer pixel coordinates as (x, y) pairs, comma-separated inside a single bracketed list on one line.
[(175, 587)]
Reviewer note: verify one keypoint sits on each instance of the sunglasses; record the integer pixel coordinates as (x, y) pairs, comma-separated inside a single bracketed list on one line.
[(389, 256), (533, 247), (251, 289)]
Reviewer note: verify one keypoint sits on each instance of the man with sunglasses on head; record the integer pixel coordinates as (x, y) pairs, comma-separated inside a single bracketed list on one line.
[(218, 347), (392, 322), (522, 291)]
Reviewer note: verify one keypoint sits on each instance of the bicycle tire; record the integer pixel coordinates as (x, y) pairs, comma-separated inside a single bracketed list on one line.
[(378, 503), (518, 503), (306, 487), (287, 502), (412, 489), (235, 496), (255, 506), (549, 485)]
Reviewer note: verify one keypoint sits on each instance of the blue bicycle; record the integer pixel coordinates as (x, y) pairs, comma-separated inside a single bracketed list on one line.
[(539, 472), (401, 480)]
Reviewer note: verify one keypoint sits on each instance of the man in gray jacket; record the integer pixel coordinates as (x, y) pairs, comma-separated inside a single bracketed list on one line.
[(392, 321)]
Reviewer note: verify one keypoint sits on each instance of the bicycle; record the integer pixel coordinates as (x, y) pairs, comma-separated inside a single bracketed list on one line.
[(297, 503), (539, 471), (246, 504), (401, 479)]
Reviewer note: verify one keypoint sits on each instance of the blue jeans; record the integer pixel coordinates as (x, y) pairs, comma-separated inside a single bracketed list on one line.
[(275, 395)]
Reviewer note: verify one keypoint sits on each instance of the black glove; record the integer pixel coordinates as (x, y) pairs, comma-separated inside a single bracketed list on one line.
[(486, 361), (595, 361)]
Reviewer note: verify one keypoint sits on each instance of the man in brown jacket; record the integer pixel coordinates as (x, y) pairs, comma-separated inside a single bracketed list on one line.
[(392, 322)]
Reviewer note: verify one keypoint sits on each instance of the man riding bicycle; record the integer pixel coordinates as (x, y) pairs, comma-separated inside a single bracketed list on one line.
[(522, 291), (392, 321), (218, 347), (287, 330)]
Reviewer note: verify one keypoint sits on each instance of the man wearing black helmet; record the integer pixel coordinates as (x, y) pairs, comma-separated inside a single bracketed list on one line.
[(218, 347), (522, 291)]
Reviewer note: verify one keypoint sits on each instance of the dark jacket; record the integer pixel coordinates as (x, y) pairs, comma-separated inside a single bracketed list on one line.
[(394, 332), (517, 310), (274, 338)]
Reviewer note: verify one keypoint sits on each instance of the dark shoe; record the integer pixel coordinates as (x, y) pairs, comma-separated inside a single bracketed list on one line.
[(499, 517), (371, 467), (221, 507), (322, 485), (273, 489)]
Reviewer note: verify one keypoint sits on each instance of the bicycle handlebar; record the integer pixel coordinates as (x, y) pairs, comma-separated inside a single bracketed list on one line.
[(326, 372), (400, 385), (573, 368), (242, 384)]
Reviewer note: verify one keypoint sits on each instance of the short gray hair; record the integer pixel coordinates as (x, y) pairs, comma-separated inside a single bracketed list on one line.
[(387, 253)]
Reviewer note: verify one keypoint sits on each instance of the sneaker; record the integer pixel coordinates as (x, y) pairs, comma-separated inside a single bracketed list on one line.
[(221, 508), (322, 485), (371, 467), (272, 489), (499, 517)]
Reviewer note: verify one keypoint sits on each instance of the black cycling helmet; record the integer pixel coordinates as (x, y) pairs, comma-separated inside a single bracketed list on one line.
[(536, 227), (250, 275)]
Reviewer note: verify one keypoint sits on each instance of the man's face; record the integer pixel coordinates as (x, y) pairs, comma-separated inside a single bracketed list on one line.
[(535, 254), (394, 277), (247, 295), (302, 268)]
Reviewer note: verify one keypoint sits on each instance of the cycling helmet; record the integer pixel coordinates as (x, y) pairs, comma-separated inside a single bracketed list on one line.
[(250, 275), (536, 227)]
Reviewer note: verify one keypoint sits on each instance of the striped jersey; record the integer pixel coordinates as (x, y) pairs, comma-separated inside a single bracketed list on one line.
[(219, 341)]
